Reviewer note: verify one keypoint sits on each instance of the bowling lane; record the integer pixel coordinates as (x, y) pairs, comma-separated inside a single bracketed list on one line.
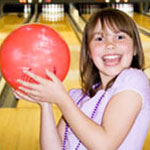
[(8, 23), (19, 129), (142, 20)]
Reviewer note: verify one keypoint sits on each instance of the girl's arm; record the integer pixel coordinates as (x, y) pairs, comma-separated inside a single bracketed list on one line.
[(118, 119), (49, 138)]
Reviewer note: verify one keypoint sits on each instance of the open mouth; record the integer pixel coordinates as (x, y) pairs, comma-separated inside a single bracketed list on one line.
[(111, 60)]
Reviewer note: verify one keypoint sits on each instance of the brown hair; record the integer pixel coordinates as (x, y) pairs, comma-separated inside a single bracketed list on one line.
[(113, 18)]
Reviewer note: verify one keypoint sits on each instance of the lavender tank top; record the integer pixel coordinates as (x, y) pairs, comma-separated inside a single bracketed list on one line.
[(129, 79)]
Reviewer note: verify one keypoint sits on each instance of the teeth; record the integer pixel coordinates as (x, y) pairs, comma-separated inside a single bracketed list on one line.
[(112, 57)]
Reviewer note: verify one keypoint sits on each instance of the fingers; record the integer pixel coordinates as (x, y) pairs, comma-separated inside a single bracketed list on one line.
[(29, 91), (28, 84), (16, 95), (25, 97), (39, 79), (52, 76), (34, 76)]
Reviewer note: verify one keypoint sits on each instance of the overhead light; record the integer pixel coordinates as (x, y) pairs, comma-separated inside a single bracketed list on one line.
[(22, 1), (117, 1), (107, 1), (29, 1)]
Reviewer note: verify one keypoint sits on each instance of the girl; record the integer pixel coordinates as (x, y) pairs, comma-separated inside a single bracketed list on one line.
[(111, 111)]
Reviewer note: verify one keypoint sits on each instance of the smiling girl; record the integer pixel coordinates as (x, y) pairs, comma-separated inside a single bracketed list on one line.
[(111, 111)]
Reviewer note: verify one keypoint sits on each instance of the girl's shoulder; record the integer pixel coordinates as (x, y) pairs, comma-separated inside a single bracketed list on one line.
[(76, 94), (132, 76), (134, 80)]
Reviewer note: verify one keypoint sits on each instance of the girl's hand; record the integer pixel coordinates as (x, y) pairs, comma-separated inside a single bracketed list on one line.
[(45, 91), (15, 94), (20, 95)]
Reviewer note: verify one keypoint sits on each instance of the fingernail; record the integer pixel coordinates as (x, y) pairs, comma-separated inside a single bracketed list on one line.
[(18, 80), (47, 71), (54, 70), (25, 71), (20, 88)]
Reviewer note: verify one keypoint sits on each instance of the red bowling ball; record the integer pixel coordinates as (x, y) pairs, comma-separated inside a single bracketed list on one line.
[(35, 47)]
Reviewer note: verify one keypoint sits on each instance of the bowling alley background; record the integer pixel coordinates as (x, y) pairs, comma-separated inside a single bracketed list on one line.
[(19, 119)]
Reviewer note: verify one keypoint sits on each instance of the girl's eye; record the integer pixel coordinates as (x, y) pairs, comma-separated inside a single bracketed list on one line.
[(99, 39), (120, 37)]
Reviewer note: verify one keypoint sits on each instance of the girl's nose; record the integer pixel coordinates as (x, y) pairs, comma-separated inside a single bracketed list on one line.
[(110, 45)]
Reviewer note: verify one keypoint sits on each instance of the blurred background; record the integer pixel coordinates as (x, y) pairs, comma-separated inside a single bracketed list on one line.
[(19, 119)]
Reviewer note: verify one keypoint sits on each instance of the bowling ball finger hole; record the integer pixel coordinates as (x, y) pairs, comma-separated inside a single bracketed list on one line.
[(54, 70)]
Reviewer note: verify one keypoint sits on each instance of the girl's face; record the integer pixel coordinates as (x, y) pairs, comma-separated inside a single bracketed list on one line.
[(111, 51)]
